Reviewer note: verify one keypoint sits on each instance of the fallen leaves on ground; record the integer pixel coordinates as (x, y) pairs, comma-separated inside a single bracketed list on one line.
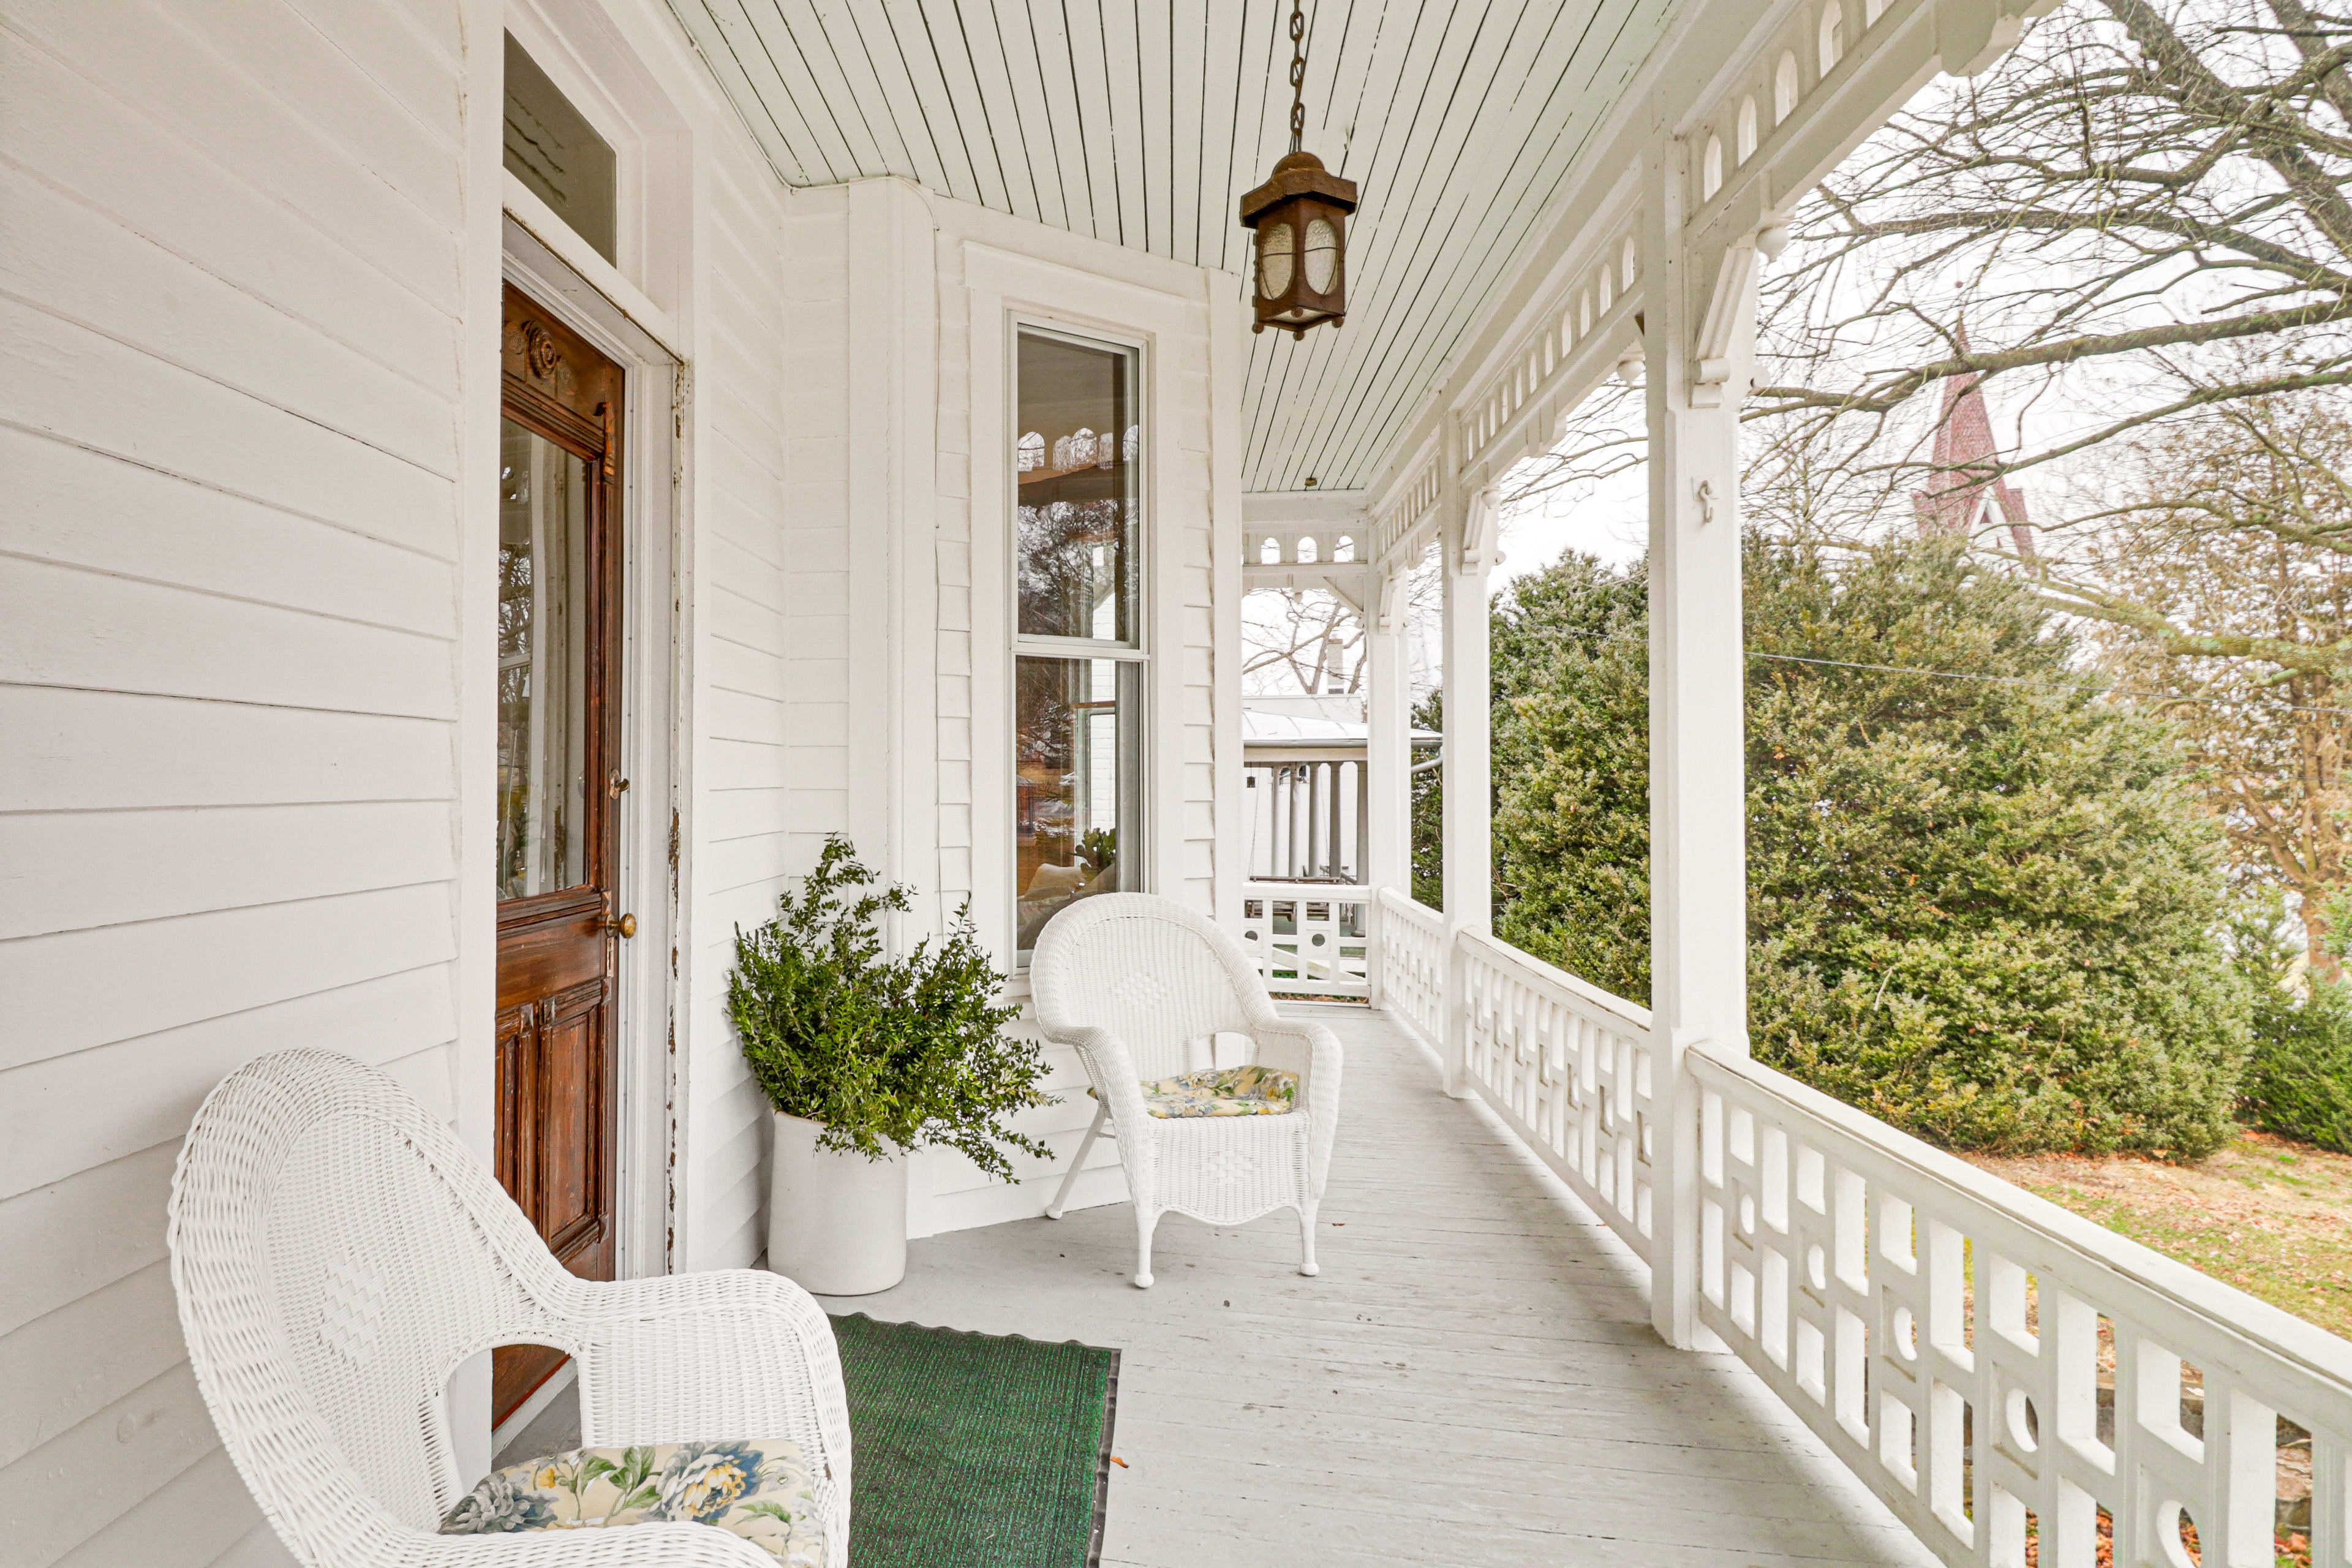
[(2271, 1217)]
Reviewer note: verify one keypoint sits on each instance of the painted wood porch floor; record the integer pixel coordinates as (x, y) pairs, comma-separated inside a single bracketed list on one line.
[(1472, 1378)]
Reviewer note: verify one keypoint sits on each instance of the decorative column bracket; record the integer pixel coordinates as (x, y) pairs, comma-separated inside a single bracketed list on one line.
[(1472, 550)]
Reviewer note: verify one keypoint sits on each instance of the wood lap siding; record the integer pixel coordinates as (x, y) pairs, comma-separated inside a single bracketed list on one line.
[(752, 684), (226, 669)]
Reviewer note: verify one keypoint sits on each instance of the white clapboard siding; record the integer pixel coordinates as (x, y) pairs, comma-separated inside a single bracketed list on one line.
[(746, 689), (168, 307), (69, 871), (98, 632), (133, 163), (67, 991), (195, 1518), (74, 383), (74, 507), (153, 1083), (52, 1380), (224, 79), (94, 751), (231, 309), (82, 1234), (143, 1440)]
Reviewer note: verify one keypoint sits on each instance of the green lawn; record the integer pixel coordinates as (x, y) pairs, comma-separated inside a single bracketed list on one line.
[(2269, 1216)]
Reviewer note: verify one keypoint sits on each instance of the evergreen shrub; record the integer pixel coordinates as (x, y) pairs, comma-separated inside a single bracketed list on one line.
[(1985, 910), (907, 1052), (2298, 1079)]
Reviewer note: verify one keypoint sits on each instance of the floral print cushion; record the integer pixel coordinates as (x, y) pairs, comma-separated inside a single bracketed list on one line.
[(1222, 1091), (759, 1490)]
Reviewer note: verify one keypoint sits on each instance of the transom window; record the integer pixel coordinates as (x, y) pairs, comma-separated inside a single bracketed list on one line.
[(551, 148), (1078, 645)]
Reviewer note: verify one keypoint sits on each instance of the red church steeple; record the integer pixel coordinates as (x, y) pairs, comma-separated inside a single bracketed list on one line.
[(1960, 495)]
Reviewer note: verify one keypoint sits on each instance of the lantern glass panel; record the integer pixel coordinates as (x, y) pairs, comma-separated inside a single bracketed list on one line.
[(1322, 254), (1274, 260)]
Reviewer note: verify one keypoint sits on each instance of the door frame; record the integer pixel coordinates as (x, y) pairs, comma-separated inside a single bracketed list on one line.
[(648, 1010)]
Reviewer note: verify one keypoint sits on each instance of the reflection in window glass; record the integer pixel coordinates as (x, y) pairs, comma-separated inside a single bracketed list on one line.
[(1074, 463), (1073, 777), (542, 665), (1078, 731), (551, 148)]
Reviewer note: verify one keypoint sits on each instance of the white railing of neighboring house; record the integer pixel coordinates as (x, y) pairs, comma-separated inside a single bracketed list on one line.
[(1311, 939), (1997, 1369), (1306, 819)]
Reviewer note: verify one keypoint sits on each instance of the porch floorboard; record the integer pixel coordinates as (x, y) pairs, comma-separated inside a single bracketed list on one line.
[(1472, 1378)]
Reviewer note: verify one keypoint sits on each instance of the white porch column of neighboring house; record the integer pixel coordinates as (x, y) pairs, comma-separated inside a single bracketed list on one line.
[(1468, 822), (1388, 755), (1697, 350)]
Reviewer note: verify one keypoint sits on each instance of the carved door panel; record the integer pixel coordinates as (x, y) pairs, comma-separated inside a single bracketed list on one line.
[(557, 748)]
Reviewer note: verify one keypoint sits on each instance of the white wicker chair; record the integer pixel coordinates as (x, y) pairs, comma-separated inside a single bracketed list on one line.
[(1141, 986), (337, 1253)]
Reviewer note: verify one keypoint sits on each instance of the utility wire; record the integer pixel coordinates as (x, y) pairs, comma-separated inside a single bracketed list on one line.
[(1995, 680), (2027, 680)]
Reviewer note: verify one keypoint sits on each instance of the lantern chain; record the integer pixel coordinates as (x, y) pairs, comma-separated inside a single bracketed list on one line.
[(1297, 75)]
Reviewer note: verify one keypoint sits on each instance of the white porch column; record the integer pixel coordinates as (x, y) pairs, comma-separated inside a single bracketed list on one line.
[(1469, 831), (1698, 880), (1387, 756)]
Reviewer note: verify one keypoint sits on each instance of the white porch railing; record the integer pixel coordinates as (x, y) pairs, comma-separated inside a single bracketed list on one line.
[(1309, 938), (1999, 1371), (1993, 1366), (1569, 1065), (1414, 947)]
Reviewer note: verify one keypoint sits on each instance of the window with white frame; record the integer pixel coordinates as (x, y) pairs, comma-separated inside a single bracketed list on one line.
[(1077, 642)]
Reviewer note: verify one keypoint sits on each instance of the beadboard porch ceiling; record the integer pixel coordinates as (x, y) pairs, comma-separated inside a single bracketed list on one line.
[(1143, 121)]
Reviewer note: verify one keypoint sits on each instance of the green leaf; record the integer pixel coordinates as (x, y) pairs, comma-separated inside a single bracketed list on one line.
[(889, 1054)]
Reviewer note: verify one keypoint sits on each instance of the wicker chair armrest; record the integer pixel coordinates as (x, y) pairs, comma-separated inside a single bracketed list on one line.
[(1309, 1049), (734, 1352), (622, 1546), (1111, 1067), (1313, 1051)]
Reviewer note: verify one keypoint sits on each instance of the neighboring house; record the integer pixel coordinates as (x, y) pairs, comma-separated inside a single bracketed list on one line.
[(490, 486), (1304, 767)]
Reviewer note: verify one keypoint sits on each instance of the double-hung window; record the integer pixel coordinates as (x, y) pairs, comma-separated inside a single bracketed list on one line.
[(1079, 646)]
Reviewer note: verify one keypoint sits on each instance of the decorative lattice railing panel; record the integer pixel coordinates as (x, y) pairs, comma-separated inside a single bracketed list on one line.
[(1570, 1066), (1413, 944), (2008, 1376)]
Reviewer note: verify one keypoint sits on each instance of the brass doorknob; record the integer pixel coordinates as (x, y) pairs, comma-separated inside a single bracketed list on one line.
[(626, 925)]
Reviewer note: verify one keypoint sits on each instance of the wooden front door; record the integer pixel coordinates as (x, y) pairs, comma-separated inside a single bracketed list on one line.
[(558, 791)]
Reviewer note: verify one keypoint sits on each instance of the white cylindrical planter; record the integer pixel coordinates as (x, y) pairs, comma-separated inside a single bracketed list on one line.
[(836, 1223)]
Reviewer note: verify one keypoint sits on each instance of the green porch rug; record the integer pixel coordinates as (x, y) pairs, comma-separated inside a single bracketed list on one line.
[(974, 1451)]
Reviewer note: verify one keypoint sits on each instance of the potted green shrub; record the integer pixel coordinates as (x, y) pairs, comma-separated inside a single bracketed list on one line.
[(866, 1057)]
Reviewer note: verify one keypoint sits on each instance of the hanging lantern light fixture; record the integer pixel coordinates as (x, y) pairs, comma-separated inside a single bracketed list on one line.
[(1300, 215)]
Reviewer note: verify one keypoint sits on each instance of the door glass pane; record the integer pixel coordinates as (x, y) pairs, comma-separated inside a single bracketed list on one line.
[(1075, 462), (1075, 783), (542, 665)]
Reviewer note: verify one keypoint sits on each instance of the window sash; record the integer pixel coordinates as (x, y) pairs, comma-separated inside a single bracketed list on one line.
[(1078, 704)]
